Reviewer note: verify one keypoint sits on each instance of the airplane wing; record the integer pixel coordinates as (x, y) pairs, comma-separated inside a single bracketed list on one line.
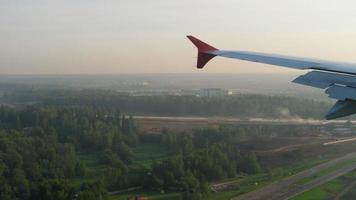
[(337, 78)]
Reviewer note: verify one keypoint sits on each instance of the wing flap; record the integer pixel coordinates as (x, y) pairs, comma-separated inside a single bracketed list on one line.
[(342, 109), (324, 80), (341, 92), (338, 86)]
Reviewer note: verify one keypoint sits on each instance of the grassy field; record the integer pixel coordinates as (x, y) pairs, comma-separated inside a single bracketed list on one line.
[(94, 170), (146, 154), (150, 195), (329, 190)]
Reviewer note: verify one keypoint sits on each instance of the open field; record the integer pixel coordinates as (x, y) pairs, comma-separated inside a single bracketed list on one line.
[(94, 171), (145, 154), (154, 124)]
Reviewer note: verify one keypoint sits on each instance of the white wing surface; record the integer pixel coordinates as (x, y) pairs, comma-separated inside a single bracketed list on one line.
[(337, 78)]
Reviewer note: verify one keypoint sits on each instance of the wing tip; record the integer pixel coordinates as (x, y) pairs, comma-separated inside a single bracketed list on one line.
[(202, 46), (203, 51)]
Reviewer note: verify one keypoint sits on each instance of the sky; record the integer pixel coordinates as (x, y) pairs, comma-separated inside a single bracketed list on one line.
[(136, 36)]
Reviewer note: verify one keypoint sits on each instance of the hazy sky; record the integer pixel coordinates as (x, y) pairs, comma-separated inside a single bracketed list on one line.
[(148, 36)]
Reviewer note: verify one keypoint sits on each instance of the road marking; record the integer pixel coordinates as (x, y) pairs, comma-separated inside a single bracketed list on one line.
[(340, 141)]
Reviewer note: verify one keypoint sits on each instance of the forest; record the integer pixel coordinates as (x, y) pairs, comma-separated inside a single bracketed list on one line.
[(85, 144), (40, 148), (242, 105)]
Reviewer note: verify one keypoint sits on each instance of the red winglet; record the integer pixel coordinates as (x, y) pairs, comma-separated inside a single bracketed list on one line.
[(203, 51)]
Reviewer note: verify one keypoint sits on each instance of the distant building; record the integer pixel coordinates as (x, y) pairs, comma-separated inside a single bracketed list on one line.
[(185, 92), (212, 92)]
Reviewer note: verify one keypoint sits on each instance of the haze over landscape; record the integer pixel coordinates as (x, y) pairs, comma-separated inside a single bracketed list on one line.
[(102, 100)]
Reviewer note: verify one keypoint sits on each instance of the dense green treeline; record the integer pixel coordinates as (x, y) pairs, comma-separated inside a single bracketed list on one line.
[(244, 105), (31, 165), (34, 166), (38, 151), (88, 129), (39, 148)]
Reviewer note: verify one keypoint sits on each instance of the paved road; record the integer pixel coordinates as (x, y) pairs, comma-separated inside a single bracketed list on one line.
[(340, 141), (346, 190), (241, 120), (278, 190)]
